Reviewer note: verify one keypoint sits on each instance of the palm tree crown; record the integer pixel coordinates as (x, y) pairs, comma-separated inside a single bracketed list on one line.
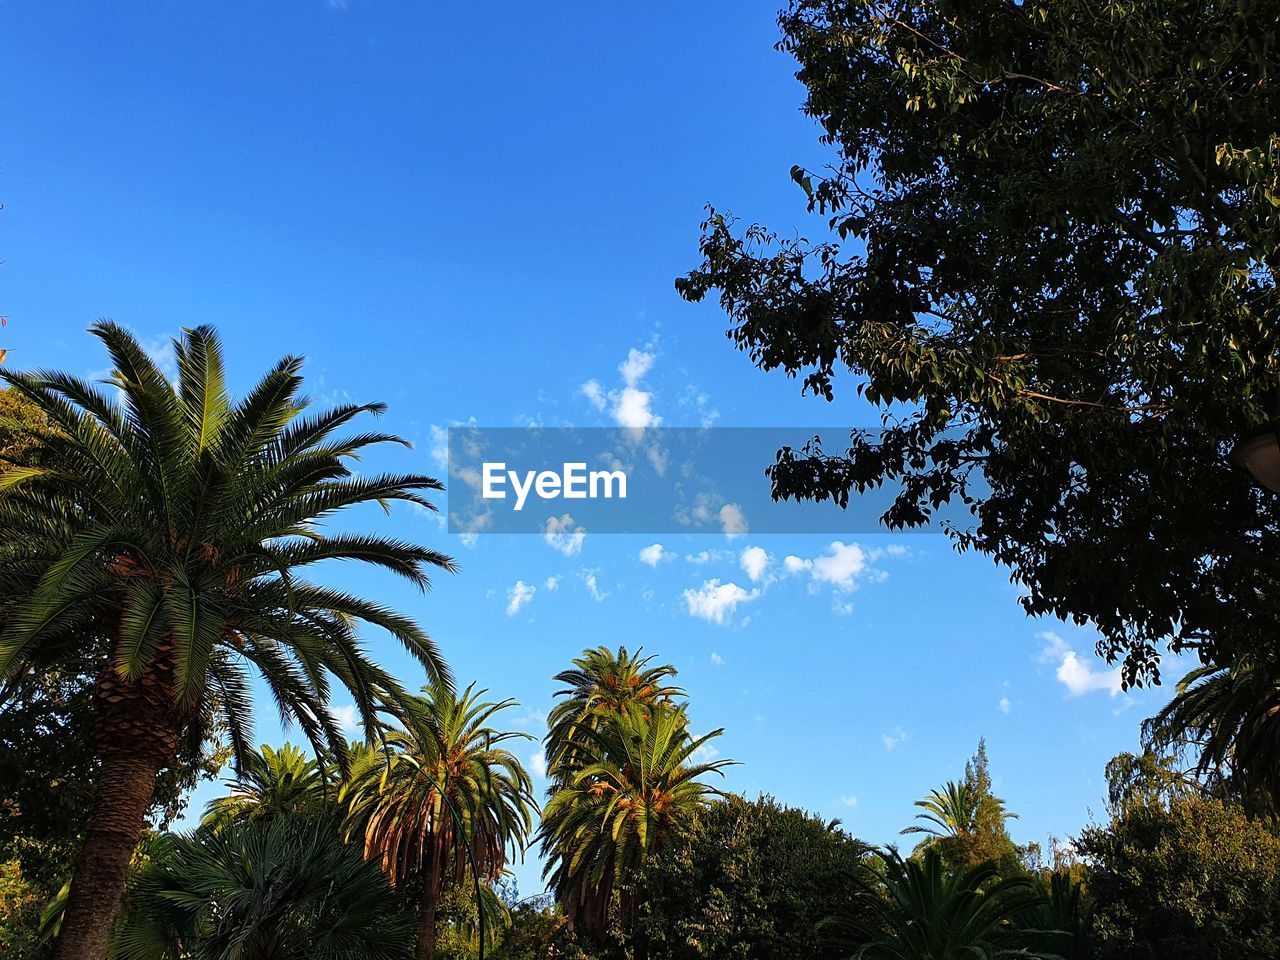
[(922, 910), (179, 525), (283, 889), (273, 782), (445, 783), (640, 781), (602, 685)]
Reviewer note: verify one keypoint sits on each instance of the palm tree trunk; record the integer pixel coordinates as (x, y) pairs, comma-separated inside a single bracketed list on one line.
[(137, 736), (427, 921)]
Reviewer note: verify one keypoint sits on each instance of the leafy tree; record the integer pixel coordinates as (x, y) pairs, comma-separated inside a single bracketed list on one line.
[(272, 782), (1193, 879), (404, 794), (537, 930), (749, 879), (1147, 778), (178, 524), (283, 888), (639, 785), (924, 910), (20, 903), (1051, 265), (602, 685)]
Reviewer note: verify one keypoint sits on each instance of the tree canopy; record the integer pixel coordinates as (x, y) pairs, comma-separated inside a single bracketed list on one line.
[(1048, 255)]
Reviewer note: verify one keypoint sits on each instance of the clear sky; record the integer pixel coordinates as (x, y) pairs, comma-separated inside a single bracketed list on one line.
[(471, 211)]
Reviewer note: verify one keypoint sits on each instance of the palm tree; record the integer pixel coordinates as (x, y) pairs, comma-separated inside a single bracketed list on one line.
[(271, 782), (440, 791), (954, 816), (1064, 917), (1231, 716), (284, 888), (178, 524), (921, 910), (640, 782), (602, 685)]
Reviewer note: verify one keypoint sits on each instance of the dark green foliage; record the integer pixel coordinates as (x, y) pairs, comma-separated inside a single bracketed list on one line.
[(1050, 248), (1194, 880), (924, 910), (1064, 920), (277, 889), (749, 881)]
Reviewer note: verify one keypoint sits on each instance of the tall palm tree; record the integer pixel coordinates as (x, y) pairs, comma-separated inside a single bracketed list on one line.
[(284, 888), (922, 910), (271, 782), (178, 525), (948, 812), (954, 812), (602, 685), (444, 783), (640, 782)]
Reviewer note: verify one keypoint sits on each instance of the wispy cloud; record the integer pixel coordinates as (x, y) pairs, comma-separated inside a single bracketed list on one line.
[(563, 533), (593, 586), (892, 741), (519, 596), (347, 717)]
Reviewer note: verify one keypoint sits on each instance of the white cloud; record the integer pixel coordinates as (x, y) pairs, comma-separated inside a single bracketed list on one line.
[(1004, 705), (346, 717), (732, 520), (717, 659), (839, 566), (705, 753), (593, 586), (538, 764), (754, 562), (552, 584), (594, 393), (652, 554), (563, 534), (519, 596), (1079, 676), (630, 406), (706, 556), (637, 364), (849, 800), (892, 741), (715, 602)]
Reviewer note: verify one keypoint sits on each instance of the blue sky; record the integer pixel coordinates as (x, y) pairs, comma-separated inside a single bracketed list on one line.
[(471, 215)]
